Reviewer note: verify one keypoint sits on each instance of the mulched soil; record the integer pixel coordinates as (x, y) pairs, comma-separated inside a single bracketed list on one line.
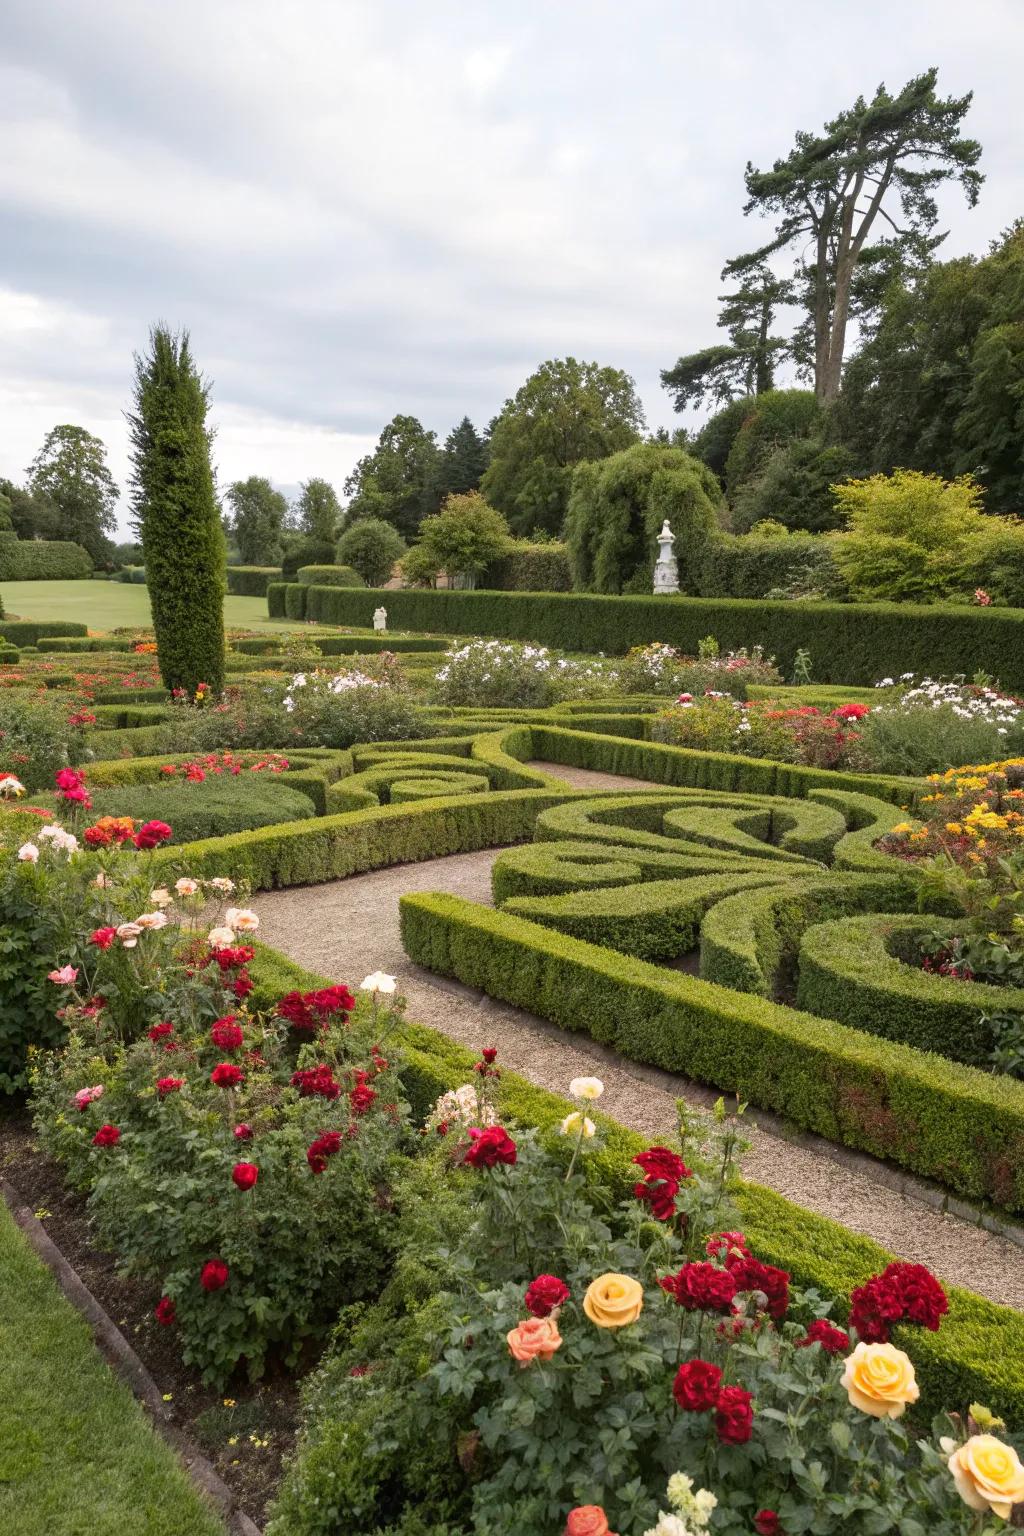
[(246, 1430)]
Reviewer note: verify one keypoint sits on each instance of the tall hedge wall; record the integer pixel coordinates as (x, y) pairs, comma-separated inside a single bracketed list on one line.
[(35, 560), (530, 568), (849, 642)]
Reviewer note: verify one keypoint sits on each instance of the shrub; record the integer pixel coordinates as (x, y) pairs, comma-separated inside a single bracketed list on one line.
[(661, 669), (329, 576), (210, 809), (772, 420), (530, 567), (31, 933), (801, 565), (464, 538), (132, 575), (850, 643), (801, 735), (617, 508), (36, 560), (371, 547), (490, 672), (714, 441), (36, 735), (26, 632), (932, 726), (251, 580), (795, 488), (326, 711), (177, 513), (306, 551)]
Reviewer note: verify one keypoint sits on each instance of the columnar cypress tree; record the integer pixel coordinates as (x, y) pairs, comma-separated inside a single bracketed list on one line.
[(175, 512)]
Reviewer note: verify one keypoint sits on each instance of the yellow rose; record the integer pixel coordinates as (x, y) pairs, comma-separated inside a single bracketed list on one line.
[(879, 1379), (988, 1475), (612, 1301)]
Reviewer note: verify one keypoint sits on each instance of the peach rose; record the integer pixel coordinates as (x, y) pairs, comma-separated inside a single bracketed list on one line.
[(988, 1475), (587, 1520), (879, 1379), (612, 1301), (536, 1338)]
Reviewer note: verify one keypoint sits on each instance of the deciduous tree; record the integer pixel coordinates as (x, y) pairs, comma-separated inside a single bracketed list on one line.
[(258, 514), (70, 473), (398, 480)]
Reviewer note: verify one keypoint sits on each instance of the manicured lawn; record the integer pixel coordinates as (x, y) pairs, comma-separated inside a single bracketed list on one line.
[(77, 1456), (104, 605)]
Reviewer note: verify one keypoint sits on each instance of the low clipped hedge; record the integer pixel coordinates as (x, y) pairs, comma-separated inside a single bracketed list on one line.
[(78, 643), (977, 1355), (853, 969), (39, 560), (342, 645), (23, 632), (329, 576), (944, 1121), (848, 642), (214, 808), (251, 580)]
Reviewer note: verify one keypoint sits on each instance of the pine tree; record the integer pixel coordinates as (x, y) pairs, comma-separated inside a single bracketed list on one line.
[(175, 512), (463, 460)]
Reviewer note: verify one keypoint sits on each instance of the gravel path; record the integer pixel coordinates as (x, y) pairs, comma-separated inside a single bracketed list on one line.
[(348, 928)]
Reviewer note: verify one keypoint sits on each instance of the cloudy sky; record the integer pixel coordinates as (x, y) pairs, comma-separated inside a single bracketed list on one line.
[(360, 207)]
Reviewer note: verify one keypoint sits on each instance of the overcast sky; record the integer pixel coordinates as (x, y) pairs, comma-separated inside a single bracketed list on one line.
[(365, 208)]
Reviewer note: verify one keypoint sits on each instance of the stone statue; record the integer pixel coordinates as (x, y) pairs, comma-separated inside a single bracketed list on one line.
[(380, 619), (666, 572)]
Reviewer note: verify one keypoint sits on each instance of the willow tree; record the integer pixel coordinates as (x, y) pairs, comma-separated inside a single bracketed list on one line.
[(174, 508)]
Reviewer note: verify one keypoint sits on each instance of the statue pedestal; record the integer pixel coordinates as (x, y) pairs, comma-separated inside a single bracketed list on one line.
[(666, 571)]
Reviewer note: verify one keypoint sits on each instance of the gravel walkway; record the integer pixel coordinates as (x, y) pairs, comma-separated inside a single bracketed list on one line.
[(348, 928)]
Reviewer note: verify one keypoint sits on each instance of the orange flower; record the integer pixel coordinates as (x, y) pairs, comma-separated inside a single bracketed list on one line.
[(535, 1339), (587, 1520)]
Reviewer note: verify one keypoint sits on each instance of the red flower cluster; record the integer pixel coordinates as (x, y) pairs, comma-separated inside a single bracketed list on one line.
[(701, 1288), (103, 937), (110, 829), (226, 1034), (488, 1148), (71, 786), (485, 1067), (361, 1097), (232, 957), (734, 1416), (325, 1146), (697, 1385), (151, 834), (226, 1075), (726, 1245), (851, 712), (902, 1293), (166, 1085), (316, 1082), (165, 1312), (214, 1275), (107, 1136), (833, 1340), (310, 1012), (751, 1275), (158, 1031), (544, 1294), (664, 1171), (244, 1175)]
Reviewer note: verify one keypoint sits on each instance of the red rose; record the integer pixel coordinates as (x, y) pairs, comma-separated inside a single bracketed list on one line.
[(226, 1034), (243, 1132), (226, 1075), (361, 1098), (316, 1082), (832, 1340), (664, 1171), (701, 1288), (490, 1147), (696, 1387), (160, 1030), (309, 1012), (901, 1293), (152, 834), (242, 985), (751, 1275), (489, 1054), (97, 837), (165, 1312), (734, 1416), (325, 1146), (214, 1276), (544, 1294), (726, 1246), (103, 937), (166, 1085), (107, 1136), (245, 1175), (767, 1523)]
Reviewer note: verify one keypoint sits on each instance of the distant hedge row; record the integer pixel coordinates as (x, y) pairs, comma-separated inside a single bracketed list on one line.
[(28, 631), (36, 560), (849, 643), (251, 580)]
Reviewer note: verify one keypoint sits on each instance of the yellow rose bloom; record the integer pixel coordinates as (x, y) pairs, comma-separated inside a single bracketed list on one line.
[(612, 1301), (879, 1379), (988, 1475)]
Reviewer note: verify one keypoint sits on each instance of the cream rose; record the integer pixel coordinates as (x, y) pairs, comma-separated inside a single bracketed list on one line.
[(879, 1379), (185, 886), (612, 1301), (586, 1088), (220, 938), (241, 919), (988, 1475)]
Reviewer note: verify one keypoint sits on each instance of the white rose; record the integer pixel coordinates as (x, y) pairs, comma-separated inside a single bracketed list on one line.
[(151, 920), (586, 1087), (379, 981), (28, 853)]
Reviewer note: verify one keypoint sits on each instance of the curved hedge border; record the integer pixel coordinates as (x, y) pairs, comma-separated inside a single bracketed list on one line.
[(977, 1355), (849, 642)]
